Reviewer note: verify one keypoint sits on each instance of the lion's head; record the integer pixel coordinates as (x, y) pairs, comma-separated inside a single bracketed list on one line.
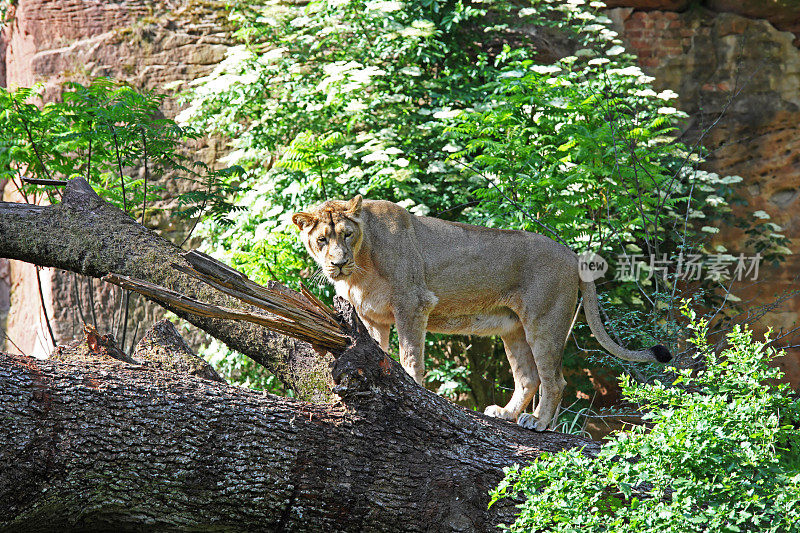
[(332, 235)]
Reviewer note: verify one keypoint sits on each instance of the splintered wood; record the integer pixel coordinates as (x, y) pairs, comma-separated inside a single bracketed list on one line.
[(302, 316)]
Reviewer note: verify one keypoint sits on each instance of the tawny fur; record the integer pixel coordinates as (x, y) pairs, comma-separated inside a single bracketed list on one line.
[(425, 274)]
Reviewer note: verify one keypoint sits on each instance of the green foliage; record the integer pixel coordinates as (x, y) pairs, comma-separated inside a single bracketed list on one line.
[(102, 132), (722, 455), (5, 8), (450, 377), (401, 101)]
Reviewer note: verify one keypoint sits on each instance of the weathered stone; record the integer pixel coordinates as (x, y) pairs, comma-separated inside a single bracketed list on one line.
[(783, 14), (739, 80), (662, 5)]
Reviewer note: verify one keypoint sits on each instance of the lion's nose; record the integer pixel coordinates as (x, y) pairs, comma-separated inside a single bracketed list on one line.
[(340, 263)]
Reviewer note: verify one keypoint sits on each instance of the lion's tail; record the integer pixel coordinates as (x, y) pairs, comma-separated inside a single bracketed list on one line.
[(592, 311)]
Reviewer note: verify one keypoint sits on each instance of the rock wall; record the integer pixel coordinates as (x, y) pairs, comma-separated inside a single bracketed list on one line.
[(736, 67), (146, 43)]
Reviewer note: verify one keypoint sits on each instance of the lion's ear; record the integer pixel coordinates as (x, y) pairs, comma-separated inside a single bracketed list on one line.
[(354, 206), (301, 220)]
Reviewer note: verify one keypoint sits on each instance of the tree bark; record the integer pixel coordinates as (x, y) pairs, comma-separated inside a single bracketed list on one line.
[(101, 445), (86, 235), (96, 445)]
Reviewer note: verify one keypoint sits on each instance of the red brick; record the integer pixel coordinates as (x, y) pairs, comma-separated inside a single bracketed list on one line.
[(649, 62), (642, 18), (634, 24), (640, 44)]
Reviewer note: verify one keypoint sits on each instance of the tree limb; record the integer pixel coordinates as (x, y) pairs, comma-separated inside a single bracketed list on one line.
[(98, 445), (86, 235)]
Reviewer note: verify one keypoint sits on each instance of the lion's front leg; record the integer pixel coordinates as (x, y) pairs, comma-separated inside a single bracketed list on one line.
[(412, 323), (411, 333), (379, 332)]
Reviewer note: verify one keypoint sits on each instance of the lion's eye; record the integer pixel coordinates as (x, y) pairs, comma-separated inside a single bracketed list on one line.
[(321, 241), (348, 234)]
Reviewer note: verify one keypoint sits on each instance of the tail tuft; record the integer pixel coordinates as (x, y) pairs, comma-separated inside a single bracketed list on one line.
[(661, 354)]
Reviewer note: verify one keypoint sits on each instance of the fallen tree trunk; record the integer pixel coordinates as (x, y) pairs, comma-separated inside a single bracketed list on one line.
[(105, 444), (86, 235)]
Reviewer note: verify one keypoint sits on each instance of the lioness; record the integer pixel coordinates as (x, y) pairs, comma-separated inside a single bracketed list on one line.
[(425, 274)]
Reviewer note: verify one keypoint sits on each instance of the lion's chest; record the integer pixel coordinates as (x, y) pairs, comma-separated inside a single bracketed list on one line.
[(371, 298)]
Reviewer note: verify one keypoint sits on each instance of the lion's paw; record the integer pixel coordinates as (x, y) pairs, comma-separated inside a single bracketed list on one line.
[(498, 412), (528, 421)]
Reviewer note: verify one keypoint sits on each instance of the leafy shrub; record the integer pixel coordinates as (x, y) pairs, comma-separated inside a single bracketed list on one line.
[(114, 136), (722, 455), (400, 100)]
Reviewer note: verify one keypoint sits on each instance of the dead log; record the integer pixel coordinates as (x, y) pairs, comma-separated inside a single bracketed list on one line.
[(102, 445)]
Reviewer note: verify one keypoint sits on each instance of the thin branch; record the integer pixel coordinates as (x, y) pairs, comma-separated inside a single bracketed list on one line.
[(41, 181), (89, 158), (91, 302), (76, 289), (513, 202), (14, 344), (126, 302), (133, 340), (44, 309), (321, 179), (20, 189), (31, 141), (119, 167), (144, 152), (199, 212)]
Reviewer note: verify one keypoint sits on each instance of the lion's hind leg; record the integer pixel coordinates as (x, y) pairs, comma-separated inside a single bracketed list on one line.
[(523, 368), (547, 354)]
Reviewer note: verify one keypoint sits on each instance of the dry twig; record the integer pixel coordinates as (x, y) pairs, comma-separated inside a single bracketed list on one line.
[(301, 316)]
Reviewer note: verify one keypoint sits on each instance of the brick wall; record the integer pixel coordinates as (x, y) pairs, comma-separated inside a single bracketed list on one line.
[(743, 75)]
